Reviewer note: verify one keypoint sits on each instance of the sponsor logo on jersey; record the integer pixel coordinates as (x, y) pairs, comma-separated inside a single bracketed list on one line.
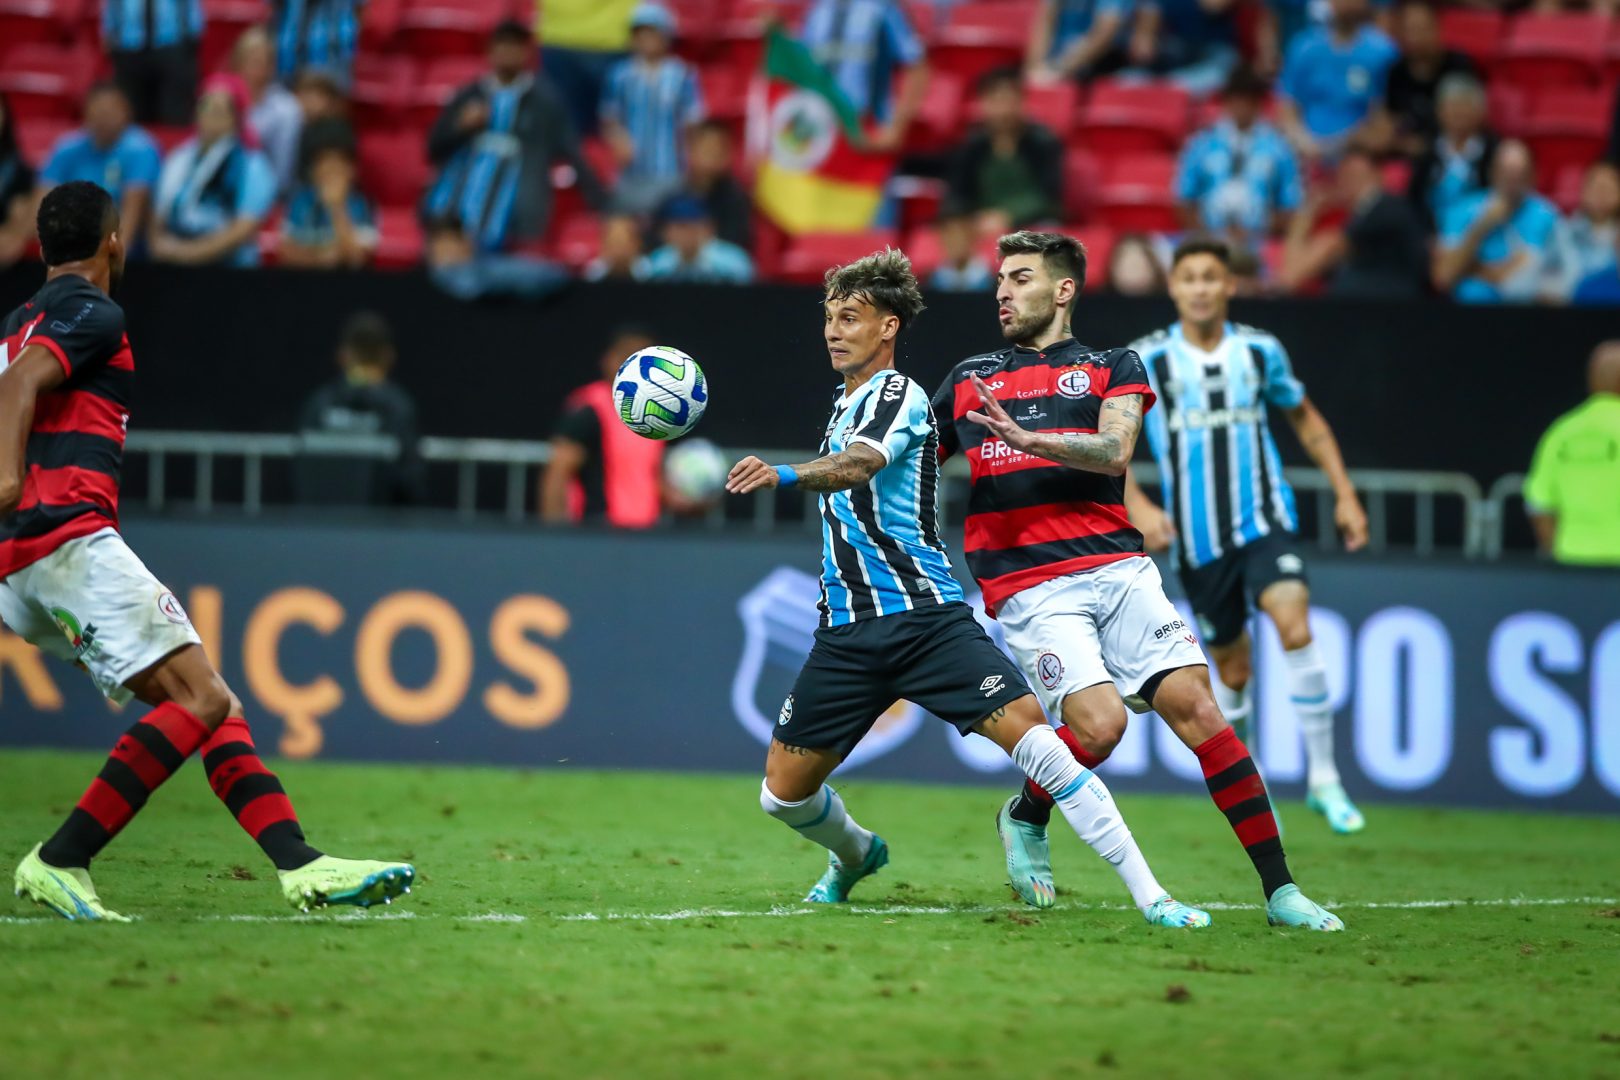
[(1183, 419), (991, 684), (1168, 628), (996, 450), (1050, 668), (1074, 383)]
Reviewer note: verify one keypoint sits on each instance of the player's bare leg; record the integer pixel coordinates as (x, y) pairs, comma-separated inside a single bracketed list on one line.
[(1287, 604), (795, 792), (1021, 730)]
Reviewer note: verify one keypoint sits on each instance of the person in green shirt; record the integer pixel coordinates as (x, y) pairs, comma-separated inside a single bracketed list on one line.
[(1573, 491)]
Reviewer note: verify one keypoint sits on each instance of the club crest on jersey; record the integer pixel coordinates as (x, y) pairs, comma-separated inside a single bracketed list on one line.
[(1074, 383), (1050, 669)]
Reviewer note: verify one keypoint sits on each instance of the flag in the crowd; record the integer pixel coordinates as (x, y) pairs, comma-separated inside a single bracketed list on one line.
[(813, 175)]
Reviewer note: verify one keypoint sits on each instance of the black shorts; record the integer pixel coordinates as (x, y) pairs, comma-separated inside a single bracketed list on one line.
[(938, 658), (1222, 593)]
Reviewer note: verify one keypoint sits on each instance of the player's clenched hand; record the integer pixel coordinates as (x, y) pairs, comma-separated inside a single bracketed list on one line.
[(1352, 522), (1156, 528), (749, 475), (994, 417)]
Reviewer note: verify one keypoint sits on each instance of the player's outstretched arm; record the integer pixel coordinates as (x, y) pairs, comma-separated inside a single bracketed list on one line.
[(1323, 448), (1108, 451), (835, 472), (34, 372)]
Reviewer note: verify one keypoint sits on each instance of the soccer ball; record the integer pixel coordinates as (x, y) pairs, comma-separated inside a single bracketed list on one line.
[(660, 393), (695, 470)]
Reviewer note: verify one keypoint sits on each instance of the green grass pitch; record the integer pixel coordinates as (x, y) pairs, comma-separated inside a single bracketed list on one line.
[(491, 968)]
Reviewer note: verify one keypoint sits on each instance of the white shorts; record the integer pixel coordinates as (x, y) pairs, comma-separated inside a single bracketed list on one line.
[(1113, 623), (92, 603)]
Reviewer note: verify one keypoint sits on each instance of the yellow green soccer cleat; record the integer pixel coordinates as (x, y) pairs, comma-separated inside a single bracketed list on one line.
[(357, 882), (68, 891)]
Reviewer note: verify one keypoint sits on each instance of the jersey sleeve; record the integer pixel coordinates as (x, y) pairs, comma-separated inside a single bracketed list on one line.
[(1541, 485), (1282, 388), (1129, 376), (902, 38), (1155, 428), (944, 406), (899, 421), (81, 335)]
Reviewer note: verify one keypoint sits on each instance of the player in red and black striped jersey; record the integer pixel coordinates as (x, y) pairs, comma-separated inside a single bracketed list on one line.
[(70, 585), (1048, 426)]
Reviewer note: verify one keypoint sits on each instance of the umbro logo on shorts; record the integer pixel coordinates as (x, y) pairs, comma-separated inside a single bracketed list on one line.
[(991, 684), (1290, 564)]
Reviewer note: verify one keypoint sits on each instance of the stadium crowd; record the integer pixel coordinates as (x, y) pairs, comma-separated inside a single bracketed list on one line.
[(1341, 146)]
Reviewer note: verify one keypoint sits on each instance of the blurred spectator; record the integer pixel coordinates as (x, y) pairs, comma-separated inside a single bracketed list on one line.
[(16, 192), (1134, 269), (329, 223), (362, 401), (710, 161), (1457, 163), (1239, 176), (1192, 42), (864, 45), (216, 188), (692, 252), (601, 472), (494, 145), (457, 266), (153, 45), (320, 95), (1407, 121), (112, 152), (1008, 170), (1077, 39), (651, 102), (274, 115), (1380, 250), (620, 257), (1570, 491), (1600, 288), (1331, 77), (1494, 243), (964, 267), (579, 41), (1584, 243), (316, 33)]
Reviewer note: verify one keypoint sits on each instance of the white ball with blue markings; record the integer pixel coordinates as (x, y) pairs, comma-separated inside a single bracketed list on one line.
[(660, 393)]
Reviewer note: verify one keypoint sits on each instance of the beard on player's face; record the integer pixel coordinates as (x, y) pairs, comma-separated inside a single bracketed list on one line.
[(1031, 316)]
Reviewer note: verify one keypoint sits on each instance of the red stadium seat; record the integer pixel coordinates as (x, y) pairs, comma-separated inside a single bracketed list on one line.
[(1137, 193), (437, 28), (923, 249), (399, 238), (1552, 50), (977, 37), (725, 94), (1566, 128), (741, 28), (39, 22), (919, 198), (1134, 118), (1565, 189), (1507, 106), (393, 167), (1475, 32), (381, 88), (939, 121), (807, 257), (1082, 177), (224, 22), (36, 138), (578, 240), (46, 81), (437, 82), (1098, 240), (697, 27), (1611, 56), (168, 136), (1056, 106)]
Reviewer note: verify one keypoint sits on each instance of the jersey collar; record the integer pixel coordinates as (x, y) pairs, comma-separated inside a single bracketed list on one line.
[(1062, 345), (844, 397)]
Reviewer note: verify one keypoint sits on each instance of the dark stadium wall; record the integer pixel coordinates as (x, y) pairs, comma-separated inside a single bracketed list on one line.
[(1453, 683), (1426, 385)]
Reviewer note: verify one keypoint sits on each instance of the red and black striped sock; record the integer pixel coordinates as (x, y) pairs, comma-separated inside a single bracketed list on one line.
[(1235, 785), (1034, 805), (254, 796), (146, 755)]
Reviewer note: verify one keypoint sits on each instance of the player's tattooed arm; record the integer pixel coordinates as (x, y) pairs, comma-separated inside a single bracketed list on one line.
[(1108, 451), (835, 472)]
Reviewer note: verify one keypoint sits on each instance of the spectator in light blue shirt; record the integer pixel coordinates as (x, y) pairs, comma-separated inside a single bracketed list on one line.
[(1239, 176), (1584, 244), (692, 253), (963, 267), (1077, 39), (862, 44), (112, 152), (1494, 245), (329, 223), (153, 45), (1332, 77), (650, 102), (216, 188)]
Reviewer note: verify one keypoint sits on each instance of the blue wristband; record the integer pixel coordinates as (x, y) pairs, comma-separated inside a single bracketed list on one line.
[(786, 476)]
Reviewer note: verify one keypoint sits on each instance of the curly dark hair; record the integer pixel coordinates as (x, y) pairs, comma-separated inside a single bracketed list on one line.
[(74, 218), (883, 279)]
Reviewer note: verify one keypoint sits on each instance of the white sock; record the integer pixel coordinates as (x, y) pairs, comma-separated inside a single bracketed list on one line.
[(1308, 690), (1237, 706), (821, 818), (1089, 808)]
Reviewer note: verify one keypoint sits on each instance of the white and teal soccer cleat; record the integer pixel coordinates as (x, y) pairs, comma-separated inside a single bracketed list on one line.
[(355, 882), (1290, 907), (68, 891), (834, 886), (1168, 911), (1029, 857), (1331, 802)]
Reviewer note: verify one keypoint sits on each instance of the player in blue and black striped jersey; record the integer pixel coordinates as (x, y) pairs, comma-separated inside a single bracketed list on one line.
[(893, 624), (1230, 512)]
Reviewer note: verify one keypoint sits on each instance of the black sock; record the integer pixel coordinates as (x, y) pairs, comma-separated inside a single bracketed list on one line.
[(1031, 808)]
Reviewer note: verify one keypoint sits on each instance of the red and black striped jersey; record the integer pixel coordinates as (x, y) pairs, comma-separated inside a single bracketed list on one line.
[(75, 449), (1029, 519)]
